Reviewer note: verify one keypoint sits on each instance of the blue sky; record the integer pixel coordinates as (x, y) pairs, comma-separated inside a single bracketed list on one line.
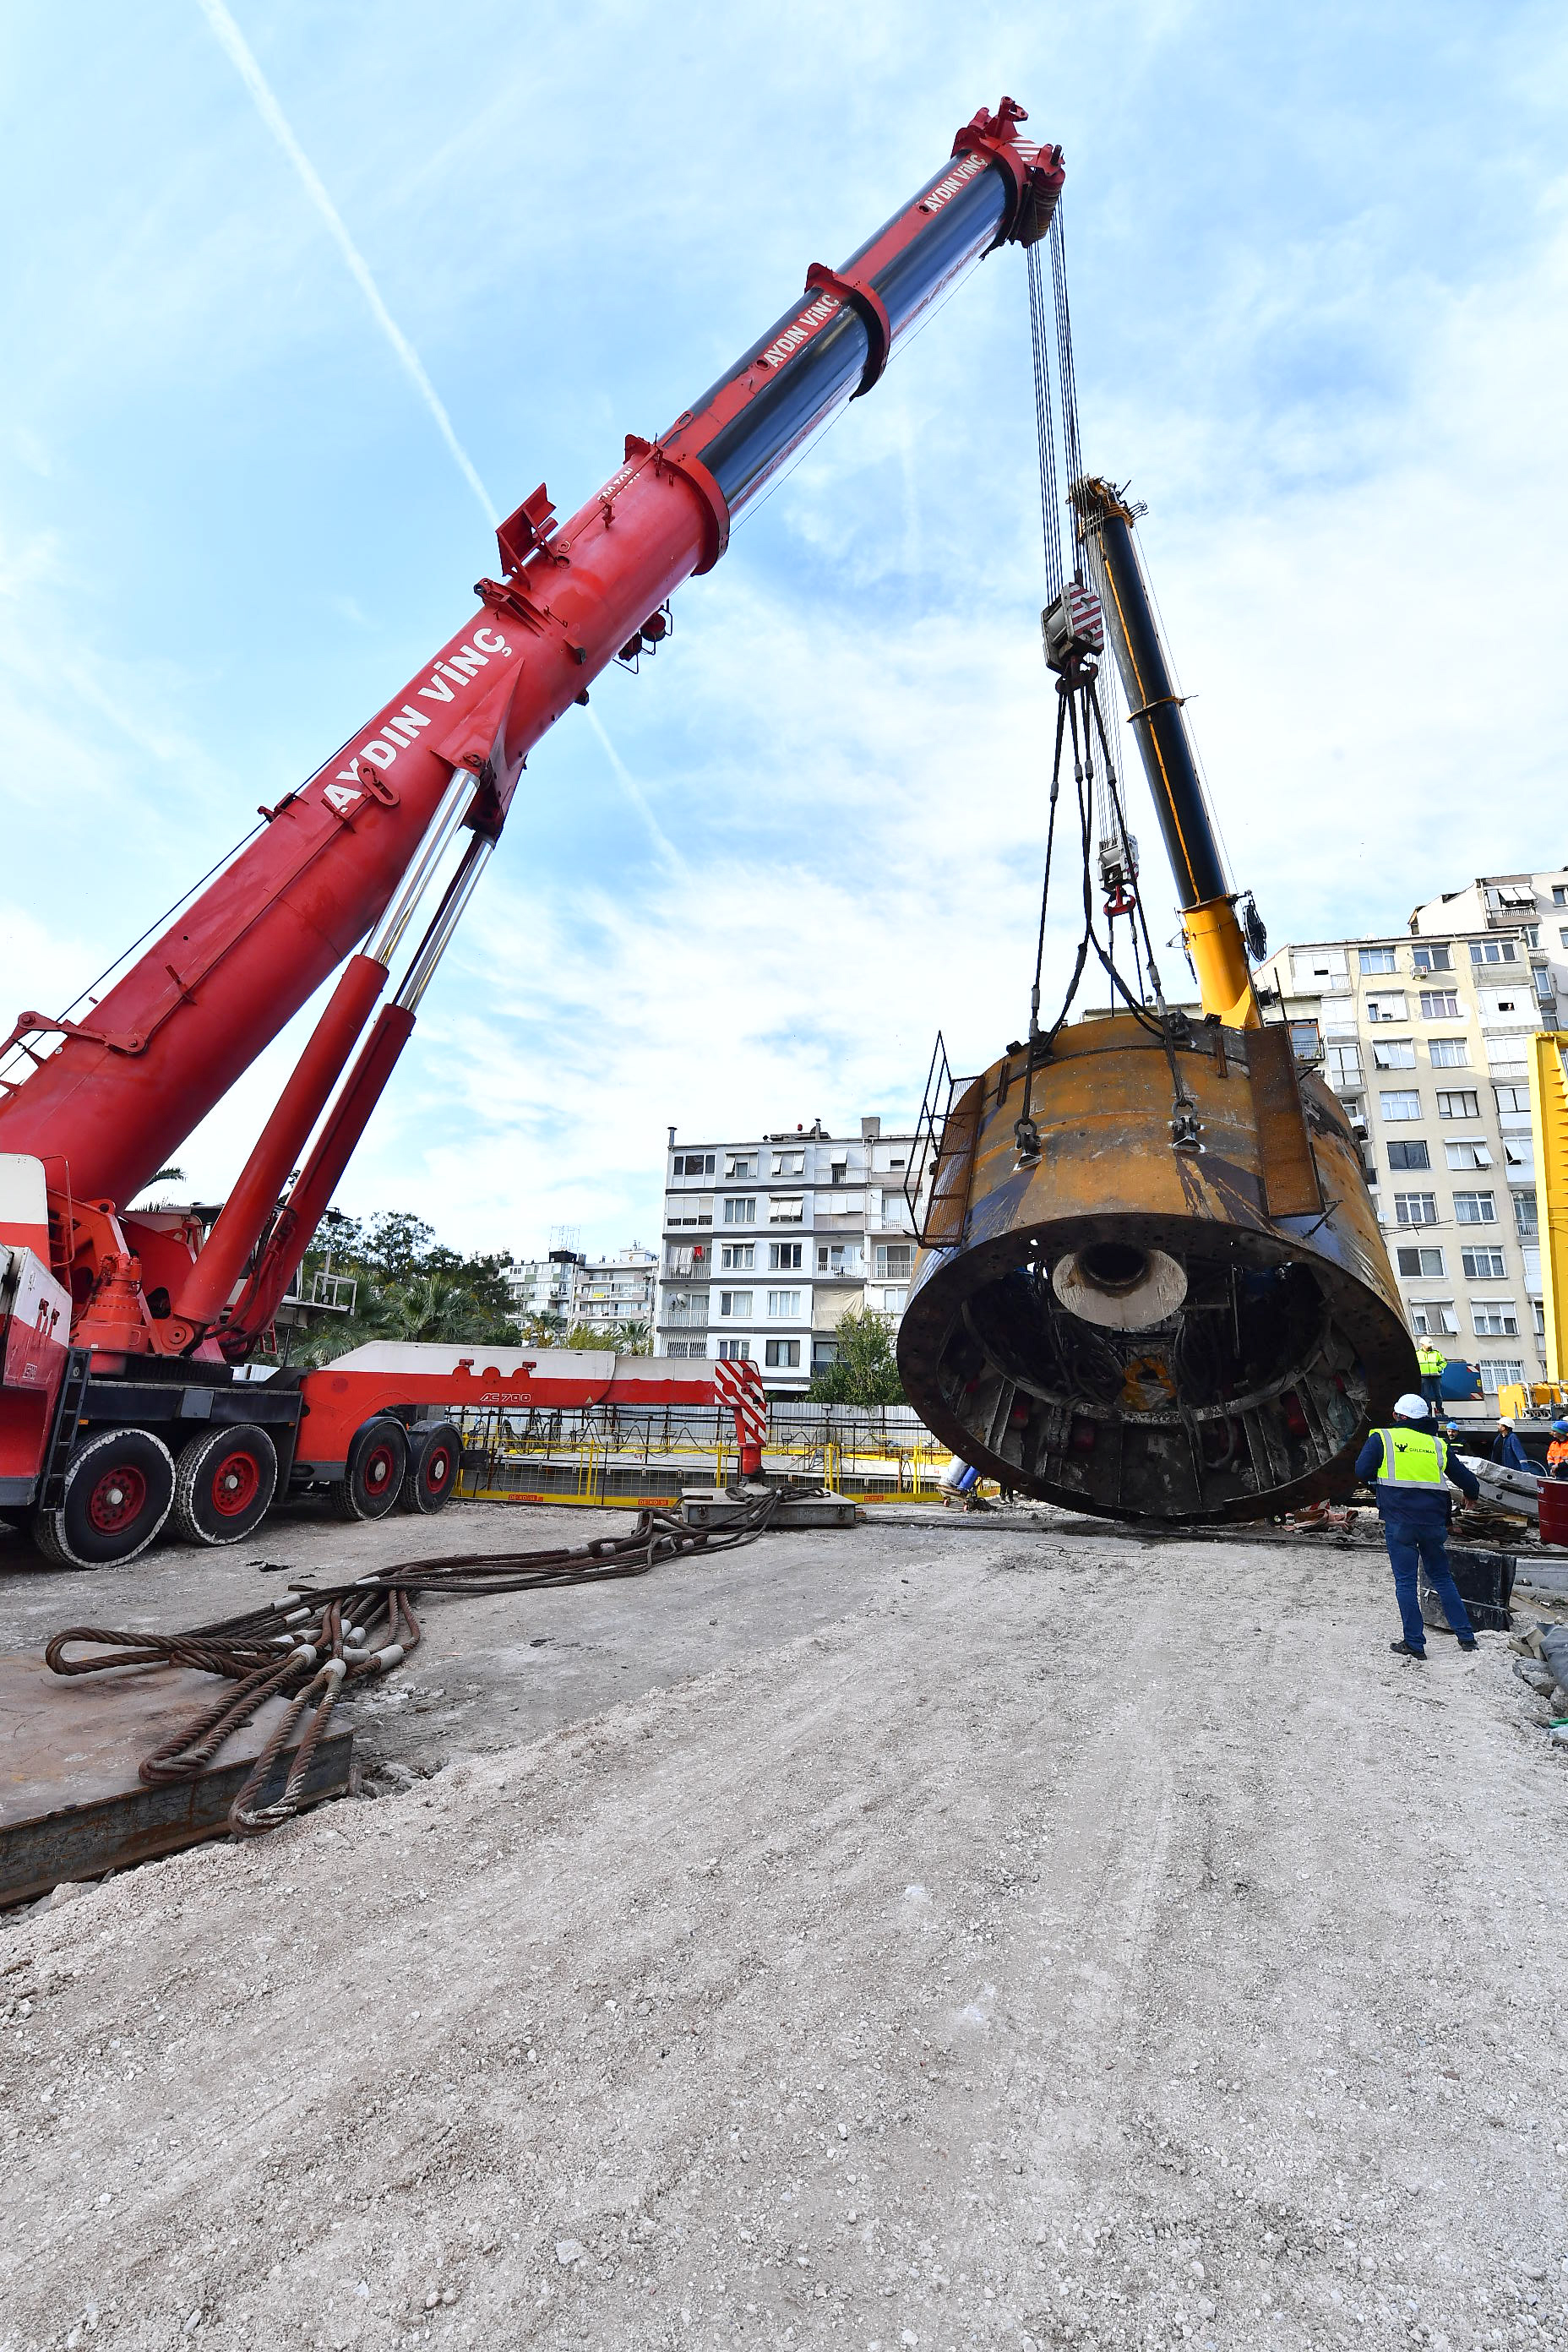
[(1317, 258)]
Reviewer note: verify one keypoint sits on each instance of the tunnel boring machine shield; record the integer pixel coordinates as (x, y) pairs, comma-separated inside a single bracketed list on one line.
[(1143, 1331)]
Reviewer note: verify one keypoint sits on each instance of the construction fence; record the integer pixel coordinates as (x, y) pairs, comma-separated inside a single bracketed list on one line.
[(609, 1455)]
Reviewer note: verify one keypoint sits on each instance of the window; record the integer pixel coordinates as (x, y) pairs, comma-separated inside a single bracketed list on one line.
[(1494, 1319), (1512, 1099), (1439, 1004), (1377, 959), (895, 1301), (1393, 1053), (737, 1257), (1561, 934), (1408, 1155), (895, 1209), (1468, 1155), (1433, 1318), (782, 1355), (1432, 959), (904, 1163), (740, 1213), (1526, 1218), (1495, 1376), (1560, 896), (1421, 1265), (735, 1351), (1493, 951), (1400, 1105), (1495, 1006), (1342, 1065), (786, 1209), (1450, 1054), (1483, 1264), (1461, 1106), (1537, 1309), (735, 1302), (784, 1257), (895, 1259), (1545, 986), (1415, 1208), (1305, 1042), (1388, 1007), (740, 1167), (694, 1163), (689, 1211), (1531, 934), (836, 1257), (789, 1163), (783, 1306), (1475, 1208)]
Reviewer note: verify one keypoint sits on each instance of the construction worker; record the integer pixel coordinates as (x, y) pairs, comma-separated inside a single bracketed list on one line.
[(1409, 1462), (1432, 1363), (1509, 1452), (1557, 1452)]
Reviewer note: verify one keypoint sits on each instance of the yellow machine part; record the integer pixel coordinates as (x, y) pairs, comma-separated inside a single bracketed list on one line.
[(1219, 959), (1549, 1115)]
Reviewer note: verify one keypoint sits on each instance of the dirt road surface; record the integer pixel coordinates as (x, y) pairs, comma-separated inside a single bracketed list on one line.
[(921, 1938)]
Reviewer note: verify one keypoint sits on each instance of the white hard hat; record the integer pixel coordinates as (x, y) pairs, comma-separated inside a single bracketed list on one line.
[(1410, 1408), (1505, 1420)]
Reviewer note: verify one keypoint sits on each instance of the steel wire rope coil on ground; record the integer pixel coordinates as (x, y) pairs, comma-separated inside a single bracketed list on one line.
[(307, 1650)]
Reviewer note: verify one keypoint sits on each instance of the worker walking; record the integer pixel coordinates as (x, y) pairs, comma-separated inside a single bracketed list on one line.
[(1508, 1450), (1432, 1363), (1410, 1462)]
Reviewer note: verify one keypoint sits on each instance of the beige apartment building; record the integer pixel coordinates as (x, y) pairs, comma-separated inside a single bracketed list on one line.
[(1424, 1038)]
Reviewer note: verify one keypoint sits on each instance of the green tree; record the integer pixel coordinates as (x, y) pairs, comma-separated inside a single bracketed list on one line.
[(867, 1372), (408, 1286)]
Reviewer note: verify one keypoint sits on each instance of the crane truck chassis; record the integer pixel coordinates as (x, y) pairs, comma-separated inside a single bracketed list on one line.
[(124, 1330)]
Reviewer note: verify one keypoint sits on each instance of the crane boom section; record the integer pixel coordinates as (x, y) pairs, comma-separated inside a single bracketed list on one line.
[(116, 1097)]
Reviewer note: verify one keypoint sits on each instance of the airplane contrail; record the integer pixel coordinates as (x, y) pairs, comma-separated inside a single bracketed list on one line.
[(271, 113), (638, 799)]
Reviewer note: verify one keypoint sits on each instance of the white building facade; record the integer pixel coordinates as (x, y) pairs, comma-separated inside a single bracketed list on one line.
[(1424, 1038), (768, 1240), (578, 1287)]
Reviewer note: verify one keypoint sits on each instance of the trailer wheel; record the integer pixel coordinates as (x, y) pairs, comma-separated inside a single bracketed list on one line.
[(120, 1484), (373, 1472), (434, 1454), (223, 1484)]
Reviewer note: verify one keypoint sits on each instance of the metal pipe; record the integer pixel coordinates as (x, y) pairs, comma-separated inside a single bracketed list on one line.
[(444, 823), (443, 923)]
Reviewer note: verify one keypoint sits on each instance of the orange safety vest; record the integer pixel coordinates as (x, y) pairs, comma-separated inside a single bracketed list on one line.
[(1557, 1454)]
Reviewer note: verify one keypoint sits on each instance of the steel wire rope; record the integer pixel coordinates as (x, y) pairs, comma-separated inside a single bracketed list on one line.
[(307, 1650)]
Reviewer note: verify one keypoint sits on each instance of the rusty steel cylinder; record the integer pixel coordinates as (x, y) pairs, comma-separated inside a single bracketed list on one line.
[(1146, 1331)]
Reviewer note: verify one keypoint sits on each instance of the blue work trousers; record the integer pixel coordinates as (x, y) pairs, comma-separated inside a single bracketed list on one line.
[(1425, 1536)]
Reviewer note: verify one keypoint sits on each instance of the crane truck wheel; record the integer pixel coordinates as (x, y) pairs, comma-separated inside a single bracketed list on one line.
[(118, 1486), (223, 1484), (434, 1455), (373, 1472)]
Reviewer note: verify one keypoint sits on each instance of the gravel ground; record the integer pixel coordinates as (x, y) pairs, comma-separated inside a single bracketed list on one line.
[(1016, 1938)]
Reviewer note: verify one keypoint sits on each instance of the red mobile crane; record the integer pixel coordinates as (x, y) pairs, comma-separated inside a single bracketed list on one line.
[(122, 1329)]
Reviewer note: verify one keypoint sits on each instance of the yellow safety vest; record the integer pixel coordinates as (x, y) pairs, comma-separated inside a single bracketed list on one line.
[(1410, 1458), (1431, 1360)]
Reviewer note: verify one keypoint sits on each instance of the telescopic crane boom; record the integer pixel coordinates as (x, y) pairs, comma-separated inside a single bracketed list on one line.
[(337, 871)]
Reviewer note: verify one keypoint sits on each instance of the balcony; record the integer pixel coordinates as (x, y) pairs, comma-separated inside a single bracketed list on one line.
[(333, 1293)]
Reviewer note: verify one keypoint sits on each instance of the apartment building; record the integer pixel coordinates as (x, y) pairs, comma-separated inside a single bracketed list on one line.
[(579, 1287), (1424, 1038), (769, 1240)]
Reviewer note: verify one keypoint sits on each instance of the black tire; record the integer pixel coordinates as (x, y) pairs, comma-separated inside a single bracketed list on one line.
[(435, 1458), (373, 1472), (120, 1486), (223, 1484)]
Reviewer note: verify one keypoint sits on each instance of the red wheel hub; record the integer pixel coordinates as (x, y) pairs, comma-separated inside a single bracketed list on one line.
[(117, 1499), (436, 1469), (379, 1465), (235, 1482)]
